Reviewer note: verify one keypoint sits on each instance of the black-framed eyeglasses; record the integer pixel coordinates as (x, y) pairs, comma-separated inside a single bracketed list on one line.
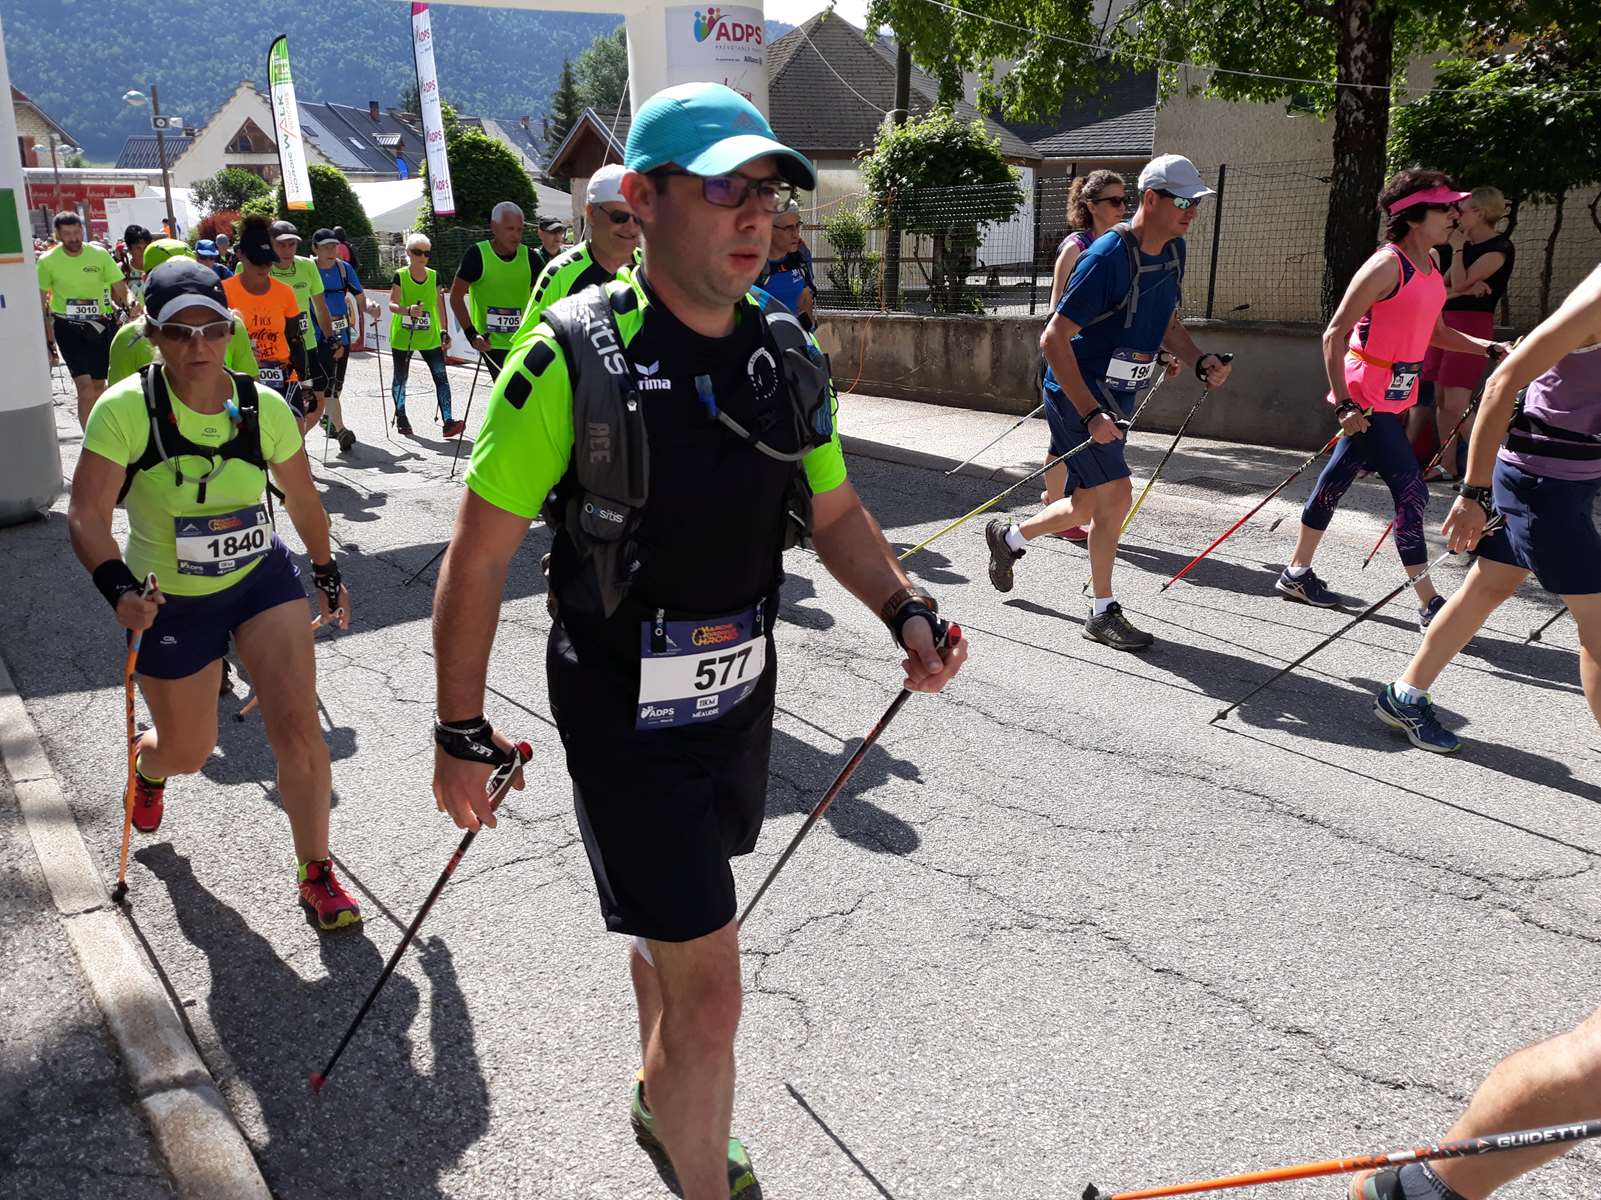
[(211, 331), (731, 191), (619, 218), (795, 228)]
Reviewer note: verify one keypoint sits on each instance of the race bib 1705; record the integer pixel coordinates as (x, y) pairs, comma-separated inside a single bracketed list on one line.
[(503, 320), (691, 672), (223, 542)]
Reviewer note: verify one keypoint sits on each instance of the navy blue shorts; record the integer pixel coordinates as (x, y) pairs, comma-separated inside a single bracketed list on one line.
[(1092, 466), (192, 631), (1549, 530)]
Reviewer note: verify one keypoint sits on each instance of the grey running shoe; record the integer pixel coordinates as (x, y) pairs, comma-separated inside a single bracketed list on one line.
[(1308, 589), (1429, 611), (1002, 556), (1112, 629)]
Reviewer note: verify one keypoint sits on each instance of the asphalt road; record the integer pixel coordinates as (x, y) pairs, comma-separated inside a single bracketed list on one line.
[(1059, 928)]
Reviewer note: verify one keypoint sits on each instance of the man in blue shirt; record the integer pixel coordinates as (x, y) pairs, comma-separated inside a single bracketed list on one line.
[(1103, 347), (338, 278), (787, 277), (206, 252)]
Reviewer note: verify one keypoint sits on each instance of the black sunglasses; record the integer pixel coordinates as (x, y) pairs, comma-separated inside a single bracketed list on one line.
[(1180, 202), (619, 218), (421, 253)]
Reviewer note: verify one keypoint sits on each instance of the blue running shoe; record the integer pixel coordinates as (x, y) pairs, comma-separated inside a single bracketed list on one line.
[(1308, 589), (1417, 721), (1429, 611)]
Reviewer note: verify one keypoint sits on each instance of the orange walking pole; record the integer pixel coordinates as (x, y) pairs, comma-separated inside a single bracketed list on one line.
[(1492, 1143), (119, 892)]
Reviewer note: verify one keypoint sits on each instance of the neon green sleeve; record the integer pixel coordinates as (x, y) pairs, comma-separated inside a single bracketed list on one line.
[(280, 431), (825, 466), (130, 350), (526, 441), (240, 355), (314, 276), (116, 428)]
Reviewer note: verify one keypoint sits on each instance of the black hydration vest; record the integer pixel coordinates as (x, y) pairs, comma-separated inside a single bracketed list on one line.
[(167, 442), (600, 501)]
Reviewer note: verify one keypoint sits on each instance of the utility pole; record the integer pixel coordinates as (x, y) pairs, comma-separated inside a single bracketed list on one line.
[(55, 166), (161, 153), (892, 232)]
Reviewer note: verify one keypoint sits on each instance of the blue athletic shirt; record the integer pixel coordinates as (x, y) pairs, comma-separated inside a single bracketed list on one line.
[(785, 279), (335, 280), (1100, 281)]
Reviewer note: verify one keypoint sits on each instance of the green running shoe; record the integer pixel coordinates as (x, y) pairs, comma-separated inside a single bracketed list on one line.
[(742, 1183)]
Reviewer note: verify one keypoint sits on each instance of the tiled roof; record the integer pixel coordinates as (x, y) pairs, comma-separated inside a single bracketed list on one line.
[(18, 96), (829, 89), (613, 124), (1118, 122), (351, 140), (140, 152)]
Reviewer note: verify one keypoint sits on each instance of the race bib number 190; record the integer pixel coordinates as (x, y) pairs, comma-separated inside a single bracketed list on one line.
[(1130, 370), (691, 672)]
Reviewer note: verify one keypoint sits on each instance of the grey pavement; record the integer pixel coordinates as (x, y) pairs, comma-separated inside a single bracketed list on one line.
[(1059, 928)]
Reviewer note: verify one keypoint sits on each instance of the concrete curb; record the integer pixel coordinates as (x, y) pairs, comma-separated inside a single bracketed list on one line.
[(907, 457), (204, 1151)]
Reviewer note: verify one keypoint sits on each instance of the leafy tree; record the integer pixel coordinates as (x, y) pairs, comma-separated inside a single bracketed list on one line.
[(565, 109), (946, 181), (1362, 44), (1524, 122), (75, 159), (333, 202), (411, 97), (601, 72), (483, 172), (852, 273), (229, 188)]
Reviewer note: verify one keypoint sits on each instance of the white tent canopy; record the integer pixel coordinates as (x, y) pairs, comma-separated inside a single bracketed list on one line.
[(393, 205)]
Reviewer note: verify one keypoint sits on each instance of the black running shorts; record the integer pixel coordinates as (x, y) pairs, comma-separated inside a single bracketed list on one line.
[(321, 362), (661, 811), (85, 346)]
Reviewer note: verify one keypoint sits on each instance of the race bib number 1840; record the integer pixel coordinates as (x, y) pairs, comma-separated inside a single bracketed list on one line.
[(221, 543)]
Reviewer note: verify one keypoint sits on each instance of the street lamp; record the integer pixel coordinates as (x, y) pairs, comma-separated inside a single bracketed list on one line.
[(137, 99)]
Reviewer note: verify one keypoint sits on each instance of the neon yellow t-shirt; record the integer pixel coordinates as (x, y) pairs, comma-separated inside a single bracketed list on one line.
[(131, 349), (78, 280), (119, 429), (306, 281)]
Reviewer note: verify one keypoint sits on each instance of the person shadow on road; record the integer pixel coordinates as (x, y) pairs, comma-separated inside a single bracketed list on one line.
[(381, 1127)]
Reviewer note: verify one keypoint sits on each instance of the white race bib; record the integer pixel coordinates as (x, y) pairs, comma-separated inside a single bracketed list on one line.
[(340, 324), (1130, 370), (503, 320), (691, 672), (416, 324), (83, 310), (223, 542), (272, 375), (1402, 378)]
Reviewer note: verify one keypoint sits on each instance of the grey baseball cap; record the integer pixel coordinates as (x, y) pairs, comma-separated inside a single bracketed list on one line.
[(1176, 175)]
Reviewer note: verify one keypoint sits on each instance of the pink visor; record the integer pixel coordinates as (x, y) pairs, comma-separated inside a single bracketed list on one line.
[(1433, 195)]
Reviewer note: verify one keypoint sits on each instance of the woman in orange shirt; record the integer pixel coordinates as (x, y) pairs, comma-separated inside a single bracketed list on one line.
[(272, 318)]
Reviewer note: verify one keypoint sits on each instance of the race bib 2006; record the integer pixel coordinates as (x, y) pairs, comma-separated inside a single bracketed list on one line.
[(272, 374), (1130, 370), (416, 324), (223, 542), (691, 672), (503, 320)]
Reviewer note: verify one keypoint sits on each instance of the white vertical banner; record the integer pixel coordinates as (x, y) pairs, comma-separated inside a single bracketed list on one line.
[(286, 127), (433, 122), (718, 43)]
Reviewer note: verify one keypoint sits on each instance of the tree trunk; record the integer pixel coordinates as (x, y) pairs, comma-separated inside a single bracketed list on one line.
[(1514, 207), (1550, 257), (892, 232), (1365, 55)]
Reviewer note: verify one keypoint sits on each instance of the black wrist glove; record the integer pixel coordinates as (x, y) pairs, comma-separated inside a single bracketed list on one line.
[(471, 741), (916, 608), (113, 578), (1346, 406), (326, 579), (1482, 496), (1222, 360), (470, 332)]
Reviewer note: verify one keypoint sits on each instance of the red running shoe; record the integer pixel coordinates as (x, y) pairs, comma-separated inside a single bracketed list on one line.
[(454, 428), (148, 802), (1078, 533), (325, 897)]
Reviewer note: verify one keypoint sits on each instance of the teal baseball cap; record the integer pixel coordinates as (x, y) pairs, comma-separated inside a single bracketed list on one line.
[(708, 129)]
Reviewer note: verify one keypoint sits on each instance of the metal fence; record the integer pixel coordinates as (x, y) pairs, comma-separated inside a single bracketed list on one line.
[(1254, 252)]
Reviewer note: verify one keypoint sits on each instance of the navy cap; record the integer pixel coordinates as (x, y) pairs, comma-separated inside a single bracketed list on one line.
[(181, 283)]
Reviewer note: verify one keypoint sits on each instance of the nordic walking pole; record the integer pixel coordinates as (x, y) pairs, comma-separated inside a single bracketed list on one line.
[(438, 554), (1260, 506), (1367, 612), (1555, 617), (120, 892), (383, 399), (1490, 1143), (997, 441), (989, 504), (494, 378), (499, 784), (1177, 437), (946, 635)]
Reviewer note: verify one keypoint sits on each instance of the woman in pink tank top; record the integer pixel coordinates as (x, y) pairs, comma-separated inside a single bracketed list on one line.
[(1373, 350)]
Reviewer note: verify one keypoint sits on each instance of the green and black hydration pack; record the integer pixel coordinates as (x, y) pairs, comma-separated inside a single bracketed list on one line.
[(600, 502), (167, 443)]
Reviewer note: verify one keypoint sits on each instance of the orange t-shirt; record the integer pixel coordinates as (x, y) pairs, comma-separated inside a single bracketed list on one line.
[(265, 316)]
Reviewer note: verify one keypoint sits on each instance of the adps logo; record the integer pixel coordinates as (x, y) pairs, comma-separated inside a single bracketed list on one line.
[(711, 26)]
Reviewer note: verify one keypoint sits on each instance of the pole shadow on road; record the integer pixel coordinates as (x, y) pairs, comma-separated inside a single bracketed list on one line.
[(381, 1127), (798, 588), (799, 774)]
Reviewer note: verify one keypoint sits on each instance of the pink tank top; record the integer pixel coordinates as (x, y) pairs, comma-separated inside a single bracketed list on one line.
[(1393, 338)]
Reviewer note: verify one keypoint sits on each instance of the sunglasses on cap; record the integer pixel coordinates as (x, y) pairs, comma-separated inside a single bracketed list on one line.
[(211, 331), (731, 191)]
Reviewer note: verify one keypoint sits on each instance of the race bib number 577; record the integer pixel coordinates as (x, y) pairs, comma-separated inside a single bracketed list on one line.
[(691, 672)]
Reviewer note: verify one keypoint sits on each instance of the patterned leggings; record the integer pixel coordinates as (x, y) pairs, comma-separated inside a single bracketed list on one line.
[(1384, 450), (435, 359)]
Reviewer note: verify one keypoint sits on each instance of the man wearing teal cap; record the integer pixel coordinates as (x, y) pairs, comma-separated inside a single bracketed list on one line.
[(664, 579)]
